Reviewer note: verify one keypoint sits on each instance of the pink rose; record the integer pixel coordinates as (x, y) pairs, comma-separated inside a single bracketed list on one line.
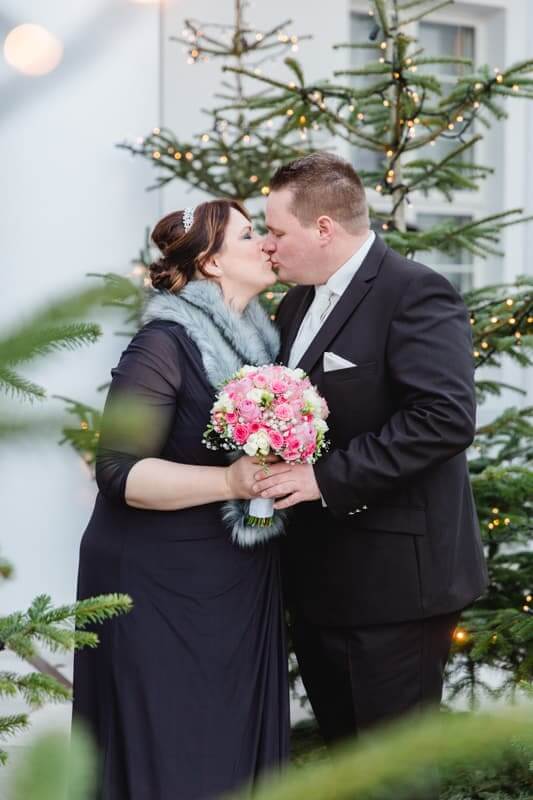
[(254, 427), (249, 410), (283, 411), (293, 442), (231, 417), (260, 381), (241, 433), (278, 387), (309, 450), (276, 439)]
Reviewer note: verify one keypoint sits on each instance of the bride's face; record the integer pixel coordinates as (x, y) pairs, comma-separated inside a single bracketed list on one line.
[(241, 261)]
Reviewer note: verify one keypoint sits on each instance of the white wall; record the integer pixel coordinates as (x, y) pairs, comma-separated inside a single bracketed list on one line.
[(71, 203)]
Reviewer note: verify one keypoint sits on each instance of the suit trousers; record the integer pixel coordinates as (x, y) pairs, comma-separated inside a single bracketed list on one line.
[(358, 677)]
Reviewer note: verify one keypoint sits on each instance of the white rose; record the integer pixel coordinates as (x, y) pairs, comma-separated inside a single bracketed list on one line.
[(311, 399), (255, 395), (262, 443), (321, 425), (251, 446), (298, 373)]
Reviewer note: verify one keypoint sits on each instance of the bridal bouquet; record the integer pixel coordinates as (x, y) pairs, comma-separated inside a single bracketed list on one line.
[(268, 410)]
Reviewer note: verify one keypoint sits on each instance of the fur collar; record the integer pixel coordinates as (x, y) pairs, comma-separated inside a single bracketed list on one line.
[(225, 339)]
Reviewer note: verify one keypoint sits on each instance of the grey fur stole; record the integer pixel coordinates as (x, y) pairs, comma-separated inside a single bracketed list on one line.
[(226, 341)]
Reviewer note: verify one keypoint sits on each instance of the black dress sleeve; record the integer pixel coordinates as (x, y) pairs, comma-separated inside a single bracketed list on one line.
[(140, 406)]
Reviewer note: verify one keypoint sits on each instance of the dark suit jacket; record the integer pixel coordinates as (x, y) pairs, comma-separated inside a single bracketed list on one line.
[(399, 539)]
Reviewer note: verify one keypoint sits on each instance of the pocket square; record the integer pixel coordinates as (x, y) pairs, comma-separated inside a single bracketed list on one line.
[(332, 361)]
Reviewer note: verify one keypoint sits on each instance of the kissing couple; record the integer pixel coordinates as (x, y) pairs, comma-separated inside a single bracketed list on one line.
[(187, 696)]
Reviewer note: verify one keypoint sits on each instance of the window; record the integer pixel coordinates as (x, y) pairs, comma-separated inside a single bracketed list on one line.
[(457, 268), (360, 28), (441, 39)]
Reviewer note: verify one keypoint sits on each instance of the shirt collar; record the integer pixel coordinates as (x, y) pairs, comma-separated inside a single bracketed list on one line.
[(340, 279)]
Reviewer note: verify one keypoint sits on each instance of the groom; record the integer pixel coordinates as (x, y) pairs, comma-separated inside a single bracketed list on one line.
[(383, 549)]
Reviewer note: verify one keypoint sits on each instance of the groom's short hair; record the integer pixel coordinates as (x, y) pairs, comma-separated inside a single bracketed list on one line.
[(323, 183)]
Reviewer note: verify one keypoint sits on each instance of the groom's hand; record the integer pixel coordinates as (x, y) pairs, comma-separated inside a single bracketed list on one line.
[(295, 483)]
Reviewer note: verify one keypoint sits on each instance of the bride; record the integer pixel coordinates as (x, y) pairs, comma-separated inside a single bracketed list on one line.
[(187, 695)]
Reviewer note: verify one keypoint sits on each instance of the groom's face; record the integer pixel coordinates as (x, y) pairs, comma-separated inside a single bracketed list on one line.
[(293, 249)]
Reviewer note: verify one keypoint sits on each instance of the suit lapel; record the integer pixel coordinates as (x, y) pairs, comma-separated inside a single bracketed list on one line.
[(351, 298), (293, 327)]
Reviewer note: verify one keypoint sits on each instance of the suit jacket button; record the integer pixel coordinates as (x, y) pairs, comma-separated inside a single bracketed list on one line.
[(365, 508)]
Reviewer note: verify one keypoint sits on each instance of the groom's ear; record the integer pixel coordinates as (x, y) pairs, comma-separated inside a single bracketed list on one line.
[(325, 229)]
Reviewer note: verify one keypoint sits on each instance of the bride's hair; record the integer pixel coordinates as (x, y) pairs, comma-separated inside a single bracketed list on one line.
[(185, 253)]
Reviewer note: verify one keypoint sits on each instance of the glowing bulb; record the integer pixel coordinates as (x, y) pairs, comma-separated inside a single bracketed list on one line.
[(32, 50), (205, 137), (266, 190), (253, 178), (177, 156), (223, 159)]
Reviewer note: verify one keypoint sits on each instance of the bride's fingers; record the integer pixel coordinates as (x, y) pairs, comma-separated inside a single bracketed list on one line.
[(280, 490)]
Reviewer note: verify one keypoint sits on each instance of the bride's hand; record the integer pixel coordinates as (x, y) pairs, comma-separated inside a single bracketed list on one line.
[(240, 476)]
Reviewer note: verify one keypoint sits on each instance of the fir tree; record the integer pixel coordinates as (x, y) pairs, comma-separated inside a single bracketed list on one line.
[(60, 629), (395, 107)]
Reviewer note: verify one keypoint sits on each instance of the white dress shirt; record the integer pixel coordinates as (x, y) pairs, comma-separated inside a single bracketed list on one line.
[(326, 296)]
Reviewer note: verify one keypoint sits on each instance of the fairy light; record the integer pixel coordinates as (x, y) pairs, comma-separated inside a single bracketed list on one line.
[(529, 598), (177, 156), (390, 153), (259, 37), (265, 191), (253, 178), (291, 85), (451, 126), (258, 71), (484, 345), (507, 521), (495, 510), (386, 103), (515, 87), (351, 109), (205, 137), (32, 50), (156, 154), (494, 320), (512, 321), (460, 635), (84, 426), (360, 116), (290, 112), (383, 45), (476, 354), (379, 187), (478, 87), (189, 156), (385, 226), (509, 302), (223, 159), (302, 120), (246, 138), (156, 131), (381, 60)]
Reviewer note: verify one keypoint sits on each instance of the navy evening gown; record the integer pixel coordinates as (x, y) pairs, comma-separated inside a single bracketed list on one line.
[(187, 695)]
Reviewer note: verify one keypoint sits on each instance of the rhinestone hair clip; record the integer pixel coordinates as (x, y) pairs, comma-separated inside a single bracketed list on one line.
[(188, 218)]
